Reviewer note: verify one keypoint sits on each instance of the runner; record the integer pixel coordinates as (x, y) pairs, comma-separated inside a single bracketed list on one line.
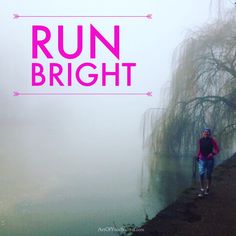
[(207, 149)]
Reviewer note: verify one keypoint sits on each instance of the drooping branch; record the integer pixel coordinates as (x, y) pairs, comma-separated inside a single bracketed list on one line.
[(222, 66), (212, 99), (202, 91)]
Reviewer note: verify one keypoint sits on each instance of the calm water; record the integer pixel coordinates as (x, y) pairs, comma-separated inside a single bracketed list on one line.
[(68, 169), (55, 182), (48, 188), (72, 173)]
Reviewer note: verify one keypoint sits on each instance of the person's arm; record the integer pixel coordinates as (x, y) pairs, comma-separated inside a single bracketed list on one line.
[(216, 149)]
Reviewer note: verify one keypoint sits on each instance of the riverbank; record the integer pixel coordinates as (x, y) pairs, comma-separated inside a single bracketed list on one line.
[(189, 215)]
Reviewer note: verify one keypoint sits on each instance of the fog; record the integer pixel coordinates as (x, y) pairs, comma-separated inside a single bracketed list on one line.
[(72, 164)]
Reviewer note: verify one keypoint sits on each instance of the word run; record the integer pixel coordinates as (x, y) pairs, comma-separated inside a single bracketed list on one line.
[(86, 73)]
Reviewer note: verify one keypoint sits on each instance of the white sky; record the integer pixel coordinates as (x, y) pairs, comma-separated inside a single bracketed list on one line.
[(149, 43)]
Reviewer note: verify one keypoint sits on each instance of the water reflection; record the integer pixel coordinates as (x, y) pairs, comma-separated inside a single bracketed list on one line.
[(53, 187)]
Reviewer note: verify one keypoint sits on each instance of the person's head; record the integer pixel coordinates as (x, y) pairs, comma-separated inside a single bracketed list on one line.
[(206, 132)]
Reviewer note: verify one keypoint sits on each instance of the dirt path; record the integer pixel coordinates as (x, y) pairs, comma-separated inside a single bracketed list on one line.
[(214, 215)]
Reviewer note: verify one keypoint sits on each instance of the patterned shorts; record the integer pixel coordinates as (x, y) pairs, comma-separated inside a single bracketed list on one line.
[(206, 166)]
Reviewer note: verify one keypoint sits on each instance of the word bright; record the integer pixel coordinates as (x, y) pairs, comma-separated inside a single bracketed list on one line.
[(52, 74)]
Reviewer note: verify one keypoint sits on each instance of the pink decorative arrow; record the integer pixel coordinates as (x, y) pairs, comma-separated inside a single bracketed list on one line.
[(16, 94), (17, 16), (149, 16)]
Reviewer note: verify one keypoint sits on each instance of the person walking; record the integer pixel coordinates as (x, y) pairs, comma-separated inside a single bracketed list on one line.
[(207, 149)]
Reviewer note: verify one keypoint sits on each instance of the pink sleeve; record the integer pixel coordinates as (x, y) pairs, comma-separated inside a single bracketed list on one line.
[(216, 146)]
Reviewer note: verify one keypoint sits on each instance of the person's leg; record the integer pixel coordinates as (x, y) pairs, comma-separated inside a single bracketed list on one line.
[(209, 167), (202, 181), (208, 182), (201, 168)]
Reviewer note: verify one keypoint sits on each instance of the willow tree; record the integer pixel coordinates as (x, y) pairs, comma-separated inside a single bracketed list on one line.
[(202, 94), (203, 90)]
